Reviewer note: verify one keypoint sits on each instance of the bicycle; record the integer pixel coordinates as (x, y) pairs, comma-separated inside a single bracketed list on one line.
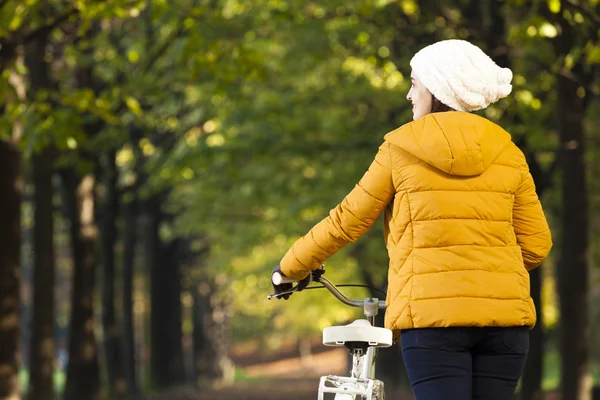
[(361, 338)]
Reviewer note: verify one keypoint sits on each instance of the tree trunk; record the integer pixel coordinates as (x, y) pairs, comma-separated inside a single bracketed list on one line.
[(82, 369), (129, 243), (171, 266), (210, 335), (165, 319), (10, 300), (532, 374), (112, 331), (573, 264), (158, 368), (573, 274), (201, 346), (42, 347)]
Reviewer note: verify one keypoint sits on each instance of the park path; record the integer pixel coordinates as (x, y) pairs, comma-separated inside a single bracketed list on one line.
[(290, 378)]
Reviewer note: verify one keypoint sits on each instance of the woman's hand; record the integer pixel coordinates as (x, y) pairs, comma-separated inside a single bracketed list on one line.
[(284, 284)]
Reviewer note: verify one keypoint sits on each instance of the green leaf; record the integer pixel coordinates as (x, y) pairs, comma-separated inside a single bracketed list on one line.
[(133, 105)]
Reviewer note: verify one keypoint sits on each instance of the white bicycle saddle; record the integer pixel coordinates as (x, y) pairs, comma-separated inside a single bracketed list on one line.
[(358, 331)]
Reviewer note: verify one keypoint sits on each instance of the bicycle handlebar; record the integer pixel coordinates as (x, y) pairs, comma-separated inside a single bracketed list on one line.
[(317, 276), (342, 297)]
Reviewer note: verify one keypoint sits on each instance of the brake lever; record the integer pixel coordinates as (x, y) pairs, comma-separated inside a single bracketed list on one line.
[(276, 295)]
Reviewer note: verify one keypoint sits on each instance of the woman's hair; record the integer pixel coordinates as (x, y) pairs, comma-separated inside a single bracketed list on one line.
[(438, 106)]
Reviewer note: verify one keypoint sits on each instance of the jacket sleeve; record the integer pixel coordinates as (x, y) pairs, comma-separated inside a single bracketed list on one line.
[(529, 222), (353, 217)]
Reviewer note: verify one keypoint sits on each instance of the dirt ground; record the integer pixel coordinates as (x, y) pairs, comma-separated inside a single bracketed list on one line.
[(296, 389), (291, 378), (277, 389), (280, 389)]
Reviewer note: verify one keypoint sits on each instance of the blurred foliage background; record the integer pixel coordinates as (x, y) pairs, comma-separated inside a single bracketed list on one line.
[(158, 158)]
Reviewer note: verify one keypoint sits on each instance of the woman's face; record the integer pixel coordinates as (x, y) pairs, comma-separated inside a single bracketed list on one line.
[(420, 97)]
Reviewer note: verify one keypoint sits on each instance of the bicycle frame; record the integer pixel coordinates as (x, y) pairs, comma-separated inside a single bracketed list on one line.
[(363, 366), (362, 380)]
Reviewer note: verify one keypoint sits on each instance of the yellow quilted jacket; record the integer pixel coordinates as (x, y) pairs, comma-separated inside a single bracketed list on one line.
[(463, 225)]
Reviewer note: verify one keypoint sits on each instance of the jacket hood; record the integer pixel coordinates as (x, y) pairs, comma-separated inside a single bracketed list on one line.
[(457, 143)]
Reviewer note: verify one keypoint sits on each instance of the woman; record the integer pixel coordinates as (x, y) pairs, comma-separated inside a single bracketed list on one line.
[(463, 226)]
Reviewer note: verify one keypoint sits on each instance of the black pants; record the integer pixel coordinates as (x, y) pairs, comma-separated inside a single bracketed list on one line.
[(465, 363)]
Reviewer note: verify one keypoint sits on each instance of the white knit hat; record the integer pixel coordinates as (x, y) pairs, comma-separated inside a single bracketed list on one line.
[(461, 75)]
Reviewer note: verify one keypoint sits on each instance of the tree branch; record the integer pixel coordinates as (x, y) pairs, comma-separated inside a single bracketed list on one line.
[(552, 168), (584, 80), (7, 53), (44, 29), (541, 177), (152, 58), (586, 12)]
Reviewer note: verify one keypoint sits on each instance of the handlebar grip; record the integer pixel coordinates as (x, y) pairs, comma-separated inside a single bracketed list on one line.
[(278, 279)]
